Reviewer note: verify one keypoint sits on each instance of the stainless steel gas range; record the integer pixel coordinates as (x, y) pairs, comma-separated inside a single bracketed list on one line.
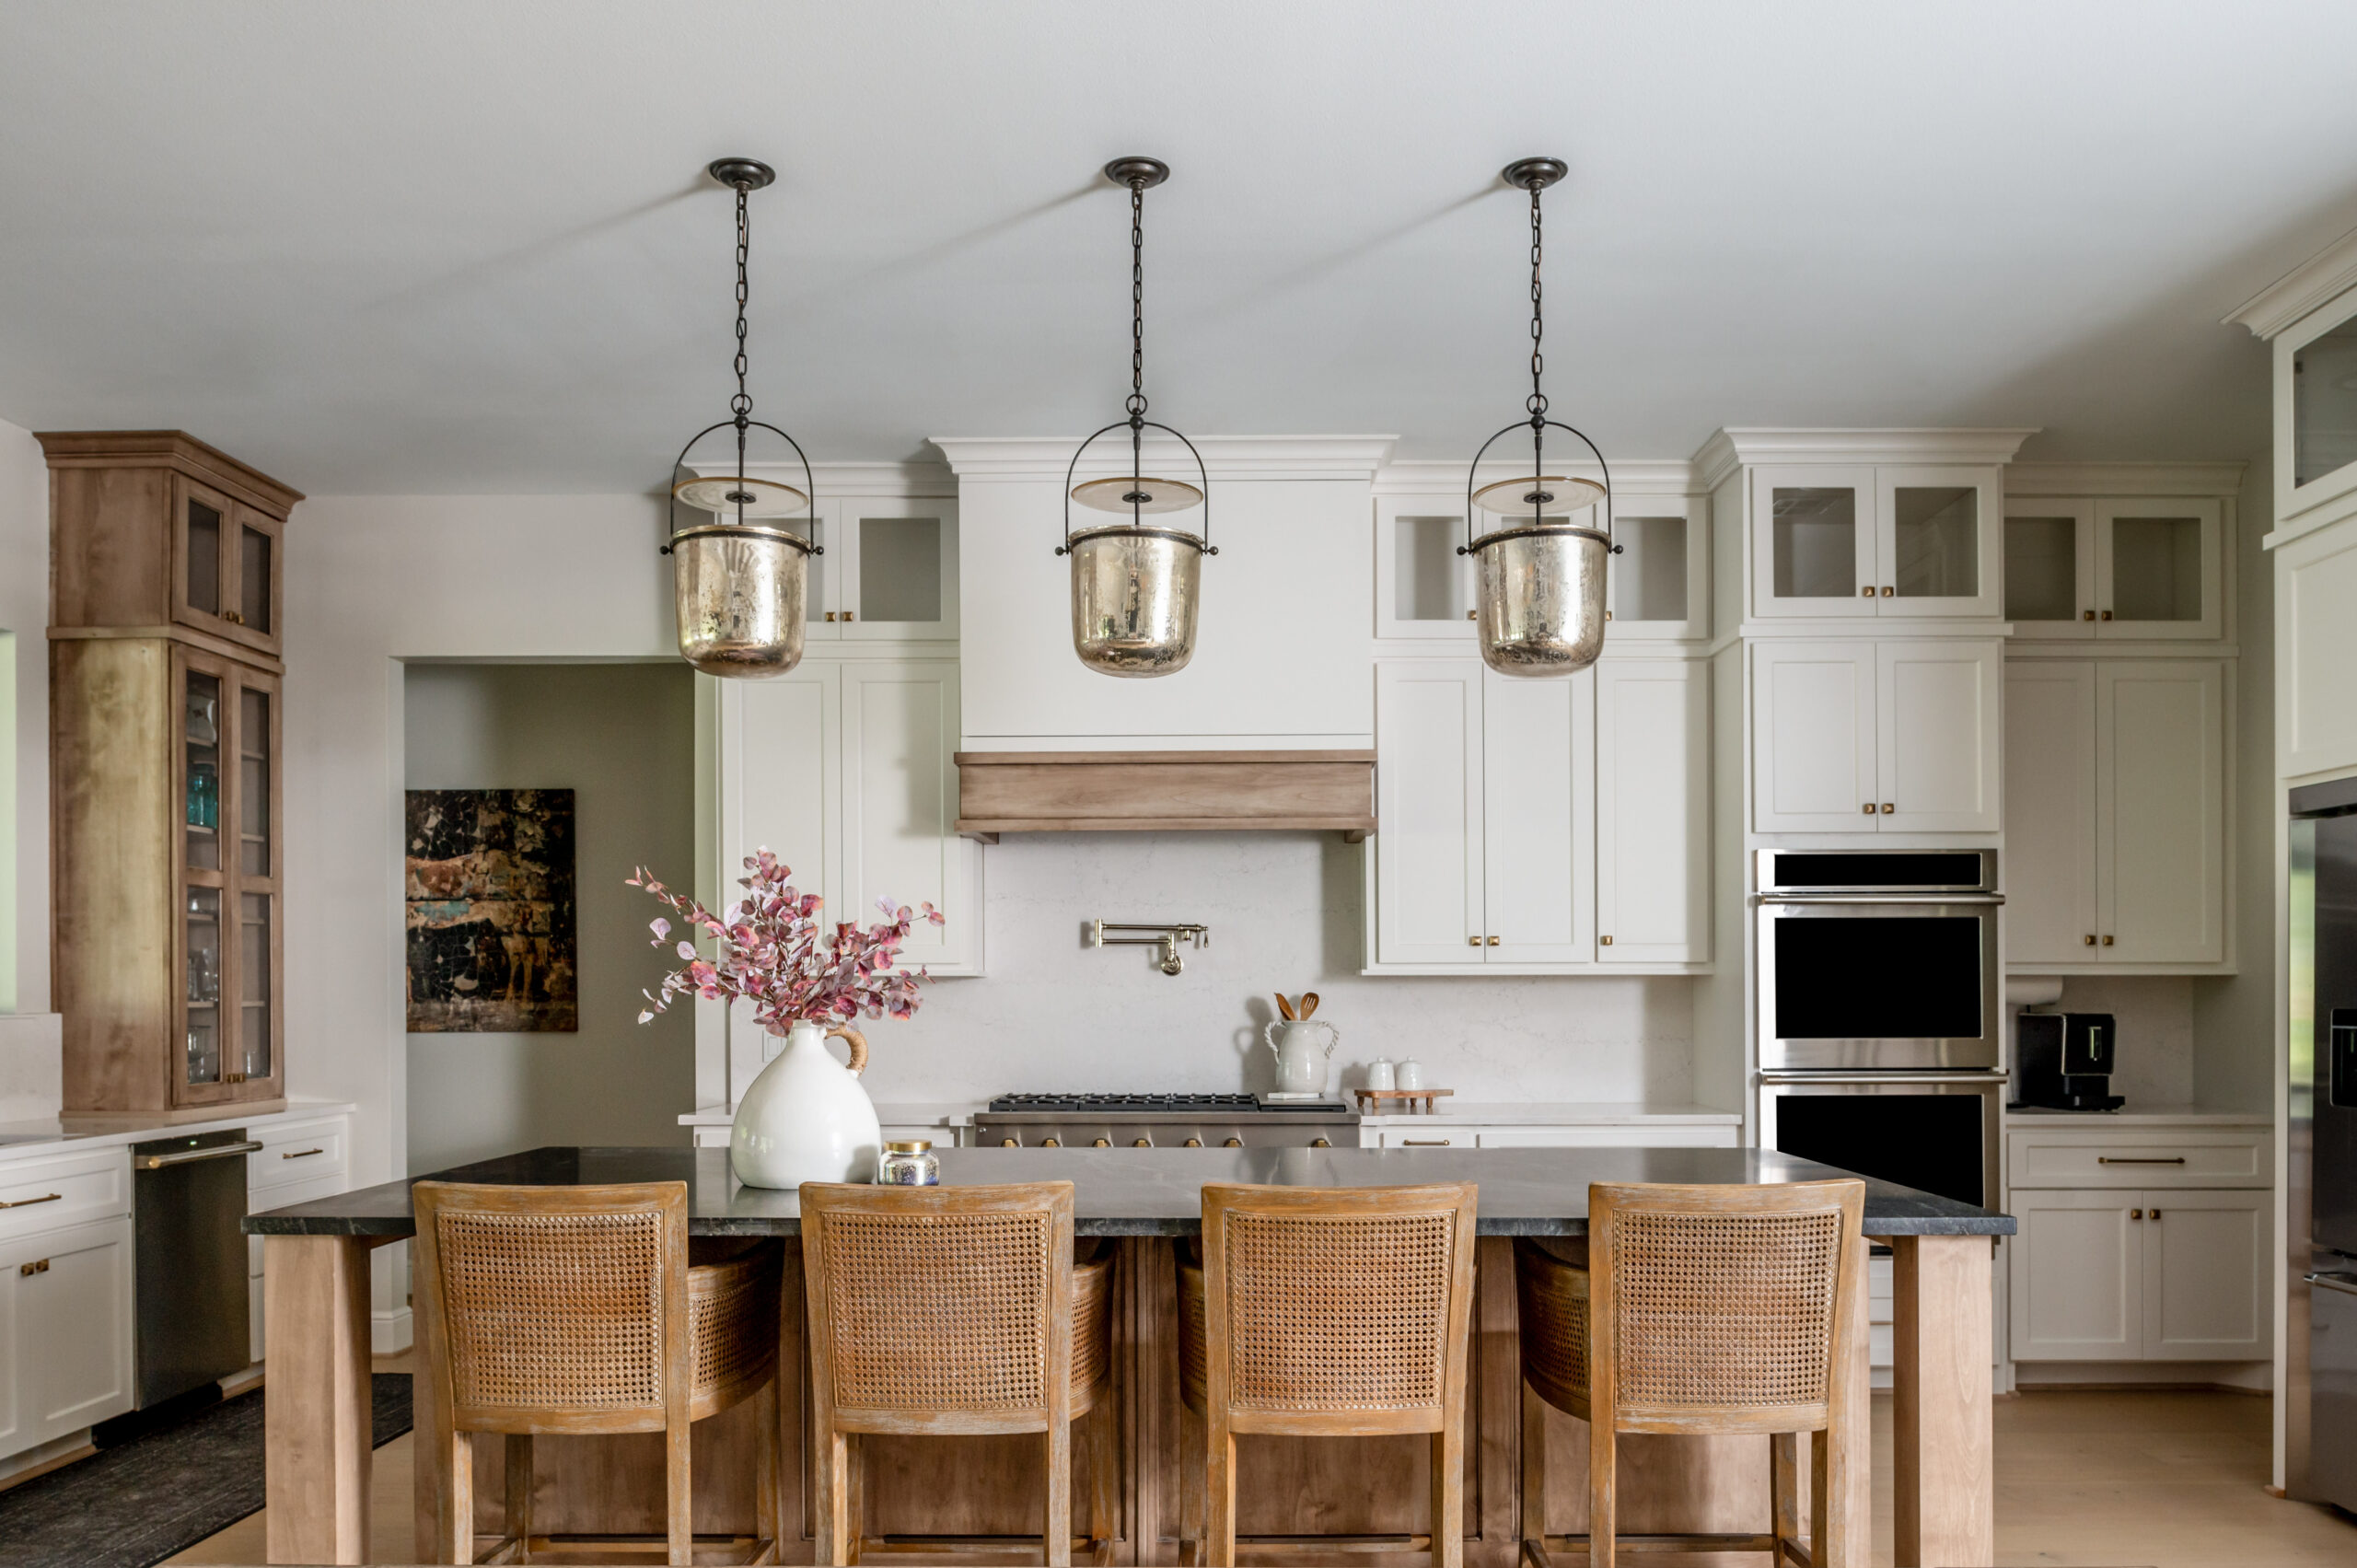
[(1164, 1121)]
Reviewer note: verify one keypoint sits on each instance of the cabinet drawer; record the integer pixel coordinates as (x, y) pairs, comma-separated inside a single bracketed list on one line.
[(2076, 1159), (1627, 1135), (293, 1155), (45, 1194)]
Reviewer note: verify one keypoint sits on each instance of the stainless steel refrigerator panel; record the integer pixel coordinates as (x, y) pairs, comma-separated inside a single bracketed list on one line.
[(2332, 1389)]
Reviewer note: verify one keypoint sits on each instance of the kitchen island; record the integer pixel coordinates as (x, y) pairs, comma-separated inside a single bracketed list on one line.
[(1349, 1492)]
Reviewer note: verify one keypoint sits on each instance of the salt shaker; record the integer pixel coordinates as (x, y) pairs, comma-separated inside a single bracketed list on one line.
[(912, 1164)]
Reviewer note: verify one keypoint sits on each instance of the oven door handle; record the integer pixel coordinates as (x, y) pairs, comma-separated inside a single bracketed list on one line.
[(1917, 899), (1835, 1077)]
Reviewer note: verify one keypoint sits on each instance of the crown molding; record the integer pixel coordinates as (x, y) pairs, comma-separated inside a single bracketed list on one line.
[(2218, 479), (914, 478), (1728, 449), (1225, 457), (2312, 284), (1630, 476)]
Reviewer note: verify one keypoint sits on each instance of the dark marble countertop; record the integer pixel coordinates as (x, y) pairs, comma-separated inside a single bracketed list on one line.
[(1159, 1192)]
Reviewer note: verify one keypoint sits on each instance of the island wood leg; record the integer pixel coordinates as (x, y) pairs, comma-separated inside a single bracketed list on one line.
[(318, 1409), (1945, 1483)]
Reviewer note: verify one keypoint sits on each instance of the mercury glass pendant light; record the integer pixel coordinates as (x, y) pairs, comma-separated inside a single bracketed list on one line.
[(1539, 593), (740, 575), (1134, 583)]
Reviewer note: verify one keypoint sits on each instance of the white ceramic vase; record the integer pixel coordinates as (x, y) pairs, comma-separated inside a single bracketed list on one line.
[(805, 1118)]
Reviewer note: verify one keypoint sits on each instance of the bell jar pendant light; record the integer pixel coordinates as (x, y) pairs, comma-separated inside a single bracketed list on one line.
[(740, 578), (1539, 592), (1134, 581)]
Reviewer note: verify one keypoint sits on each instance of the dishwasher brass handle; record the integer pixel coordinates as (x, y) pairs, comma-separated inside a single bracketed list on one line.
[(28, 1202), (2140, 1160), (302, 1154), (189, 1156)]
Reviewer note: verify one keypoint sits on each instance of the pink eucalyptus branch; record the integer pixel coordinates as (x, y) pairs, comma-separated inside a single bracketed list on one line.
[(774, 953)]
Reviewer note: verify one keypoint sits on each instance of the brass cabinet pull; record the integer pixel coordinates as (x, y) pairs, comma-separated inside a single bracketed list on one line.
[(850, 615), (1887, 591), (1472, 941), (2091, 940), (2106, 615), (232, 1077), (2157, 1214), (1494, 941), (830, 615), (1472, 615), (302, 1154), (1868, 808), (2135, 1214), (28, 1202), (1866, 592), (1604, 940), (40, 1268), (2086, 615), (1425, 1142), (2140, 1160), (2107, 941), (233, 618)]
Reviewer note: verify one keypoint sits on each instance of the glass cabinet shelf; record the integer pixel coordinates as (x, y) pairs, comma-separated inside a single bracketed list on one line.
[(2115, 568), (1423, 589)]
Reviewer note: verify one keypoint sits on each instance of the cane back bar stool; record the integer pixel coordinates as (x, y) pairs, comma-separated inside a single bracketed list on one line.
[(955, 1311), (574, 1310), (1328, 1312), (1703, 1312)]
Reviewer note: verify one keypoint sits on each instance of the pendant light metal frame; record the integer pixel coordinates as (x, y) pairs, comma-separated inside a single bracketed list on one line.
[(1534, 175), (744, 175)]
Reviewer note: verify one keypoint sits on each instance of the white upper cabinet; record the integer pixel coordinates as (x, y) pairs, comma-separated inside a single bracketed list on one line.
[(2160, 811), (1656, 588), (1652, 811), (2115, 814), (1846, 542), (1518, 815), (887, 567), (2113, 568), (1887, 736)]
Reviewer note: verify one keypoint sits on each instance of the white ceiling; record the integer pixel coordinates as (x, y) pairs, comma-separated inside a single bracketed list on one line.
[(466, 245)]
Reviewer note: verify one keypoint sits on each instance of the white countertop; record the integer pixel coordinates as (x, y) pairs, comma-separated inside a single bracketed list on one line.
[(2137, 1115), (49, 1134), (906, 1114), (1560, 1113)]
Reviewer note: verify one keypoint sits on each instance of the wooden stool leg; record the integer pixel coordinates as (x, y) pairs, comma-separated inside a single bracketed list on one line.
[(854, 1538), (1601, 1520), (1192, 1489), (1534, 1467), (1219, 1496), (458, 1487), (1056, 1527), (679, 1498), (1819, 1499), (766, 1490), (1448, 1495), (1784, 1493), (519, 1493), (1104, 1475)]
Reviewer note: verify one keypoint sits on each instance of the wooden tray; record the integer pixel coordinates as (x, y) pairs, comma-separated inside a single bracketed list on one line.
[(1371, 1101)]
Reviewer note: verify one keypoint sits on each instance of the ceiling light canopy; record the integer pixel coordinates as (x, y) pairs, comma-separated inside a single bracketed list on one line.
[(1134, 585), (740, 580), (1538, 595)]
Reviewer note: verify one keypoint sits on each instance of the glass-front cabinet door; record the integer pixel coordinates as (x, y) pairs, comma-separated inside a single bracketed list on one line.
[(1938, 544), (2051, 568), (899, 573), (1814, 537), (225, 567), (1652, 586), (1422, 588), (2159, 568), (228, 1044)]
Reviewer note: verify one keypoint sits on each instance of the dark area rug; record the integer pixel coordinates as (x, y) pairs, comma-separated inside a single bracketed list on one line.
[(160, 1492)]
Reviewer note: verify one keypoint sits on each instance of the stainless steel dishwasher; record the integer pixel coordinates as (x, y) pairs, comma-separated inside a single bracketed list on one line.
[(187, 1195)]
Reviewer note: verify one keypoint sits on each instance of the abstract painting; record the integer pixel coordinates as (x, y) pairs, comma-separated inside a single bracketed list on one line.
[(490, 912)]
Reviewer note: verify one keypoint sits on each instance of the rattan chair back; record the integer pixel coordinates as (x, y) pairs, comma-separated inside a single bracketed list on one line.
[(1721, 1308)]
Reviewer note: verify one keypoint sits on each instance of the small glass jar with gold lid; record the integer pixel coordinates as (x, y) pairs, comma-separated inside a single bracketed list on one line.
[(911, 1164)]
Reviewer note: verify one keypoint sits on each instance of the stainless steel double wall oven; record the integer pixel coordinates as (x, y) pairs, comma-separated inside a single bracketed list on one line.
[(1882, 1014)]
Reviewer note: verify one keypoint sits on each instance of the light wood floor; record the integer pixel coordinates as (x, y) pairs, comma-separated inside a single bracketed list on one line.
[(2169, 1480)]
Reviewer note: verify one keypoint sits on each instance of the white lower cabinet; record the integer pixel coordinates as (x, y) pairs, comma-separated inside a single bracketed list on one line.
[(845, 770), (65, 1321), (1518, 813), (2116, 794), (1875, 735), (298, 1162), (1612, 1135)]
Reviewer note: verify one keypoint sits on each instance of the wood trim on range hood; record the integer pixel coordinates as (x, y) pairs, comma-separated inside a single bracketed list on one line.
[(1141, 791)]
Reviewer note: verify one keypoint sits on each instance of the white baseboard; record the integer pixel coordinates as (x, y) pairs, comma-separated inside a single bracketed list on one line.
[(389, 1332), (2255, 1377)]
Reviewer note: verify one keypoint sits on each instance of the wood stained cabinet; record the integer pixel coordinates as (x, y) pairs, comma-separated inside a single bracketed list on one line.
[(166, 773)]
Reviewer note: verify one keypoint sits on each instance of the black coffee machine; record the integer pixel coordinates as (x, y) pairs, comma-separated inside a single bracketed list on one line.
[(2064, 1062)]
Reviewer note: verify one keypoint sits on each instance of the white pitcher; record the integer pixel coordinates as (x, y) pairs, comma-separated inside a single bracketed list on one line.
[(1302, 1063), (805, 1118)]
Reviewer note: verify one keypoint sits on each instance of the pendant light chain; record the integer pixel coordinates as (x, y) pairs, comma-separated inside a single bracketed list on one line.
[(1537, 403), (1136, 404), (741, 405)]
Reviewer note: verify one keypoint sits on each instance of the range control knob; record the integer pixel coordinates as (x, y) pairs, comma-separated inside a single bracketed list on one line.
[(1141, 1142), (1100, 1143), (1232, 1143), (1052, 1142), (1195, 1143), (1320, 1143), (1009, 1143)]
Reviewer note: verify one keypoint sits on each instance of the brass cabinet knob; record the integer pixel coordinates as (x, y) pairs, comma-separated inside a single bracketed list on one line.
[(2091, 940), (1193, 1144), (830, 615), (2107, 941), (2106, 615), (1866, 592), (1472, 615), (850, 615), (1472, 941), (1320, 1143), (1494, 941), (1052, 1142), (2157, 1214), (1101, 1144), (1604, 940), (1141, 1142), (2086, 615), (1232, 1143), (1868, 808), (1888, 591), (1010, 1143), (2135, 1214), (1887, 808)]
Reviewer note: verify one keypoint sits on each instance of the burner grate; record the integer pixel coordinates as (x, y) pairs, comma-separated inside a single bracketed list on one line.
[(1111, 1104)]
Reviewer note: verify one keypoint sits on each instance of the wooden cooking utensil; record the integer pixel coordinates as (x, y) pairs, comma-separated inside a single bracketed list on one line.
[(1285, 1008), (1308, 1002)]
